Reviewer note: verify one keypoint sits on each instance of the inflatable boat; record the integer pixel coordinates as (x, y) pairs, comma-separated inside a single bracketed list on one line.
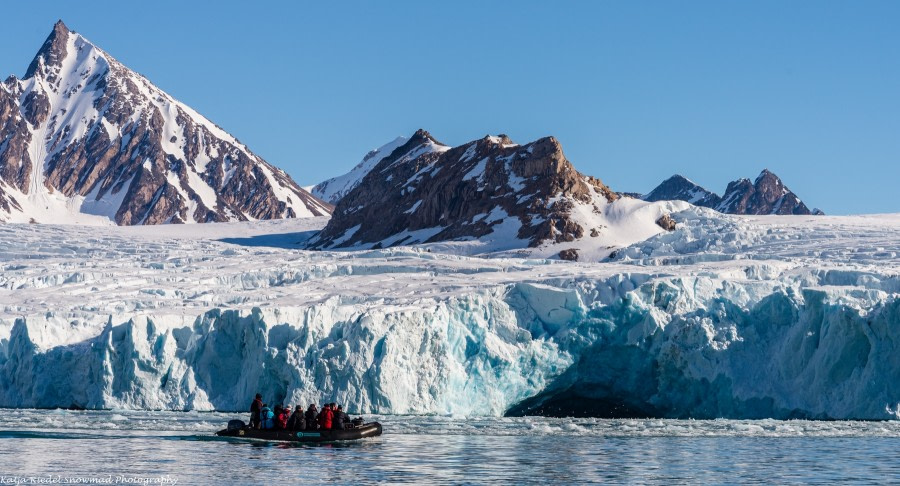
[(238, 429)]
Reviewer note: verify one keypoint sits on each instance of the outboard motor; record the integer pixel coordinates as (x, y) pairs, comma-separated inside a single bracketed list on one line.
[(236, 424)]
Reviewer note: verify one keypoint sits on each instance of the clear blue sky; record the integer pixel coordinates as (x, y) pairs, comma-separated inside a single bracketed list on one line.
[(635, 91)]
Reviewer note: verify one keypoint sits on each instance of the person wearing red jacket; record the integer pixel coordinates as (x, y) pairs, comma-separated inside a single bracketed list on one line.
[(281, 419), (326, 417)]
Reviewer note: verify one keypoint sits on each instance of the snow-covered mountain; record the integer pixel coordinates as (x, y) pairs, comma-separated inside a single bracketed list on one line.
[(85, 139), (486, 196), (681, 188), (766, 195), (335, 188)]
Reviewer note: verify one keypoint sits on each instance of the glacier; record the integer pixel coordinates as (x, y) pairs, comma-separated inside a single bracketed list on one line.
[(727, 316)]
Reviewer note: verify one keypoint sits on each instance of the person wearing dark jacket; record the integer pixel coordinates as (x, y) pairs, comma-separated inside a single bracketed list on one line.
[(340, 418), (297, 420), (311, 415), (255, 407)]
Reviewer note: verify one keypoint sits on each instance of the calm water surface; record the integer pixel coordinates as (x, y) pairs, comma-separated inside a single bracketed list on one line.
[(121, 447)]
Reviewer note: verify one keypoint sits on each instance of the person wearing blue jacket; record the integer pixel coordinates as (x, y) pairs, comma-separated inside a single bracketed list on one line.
[(266, 418)]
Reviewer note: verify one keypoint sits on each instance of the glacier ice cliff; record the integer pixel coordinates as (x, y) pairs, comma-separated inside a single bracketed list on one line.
[(745, 319)]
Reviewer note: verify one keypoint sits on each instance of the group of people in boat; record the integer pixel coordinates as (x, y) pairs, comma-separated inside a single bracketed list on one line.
[(331, 417)]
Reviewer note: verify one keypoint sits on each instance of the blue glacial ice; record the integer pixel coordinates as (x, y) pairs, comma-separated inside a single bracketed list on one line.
[(770, 328)]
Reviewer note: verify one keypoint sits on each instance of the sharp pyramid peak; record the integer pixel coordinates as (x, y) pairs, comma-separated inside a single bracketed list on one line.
[(679, 178), (423, 135), (53, 51), (766, 173), (129, 136), (60, 27)]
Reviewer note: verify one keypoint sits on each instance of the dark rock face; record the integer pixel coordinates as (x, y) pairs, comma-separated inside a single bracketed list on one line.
[(766, 195), (570, 254), (666, 222), (51, 53), (682, 189), (424, 194), (88, 126)]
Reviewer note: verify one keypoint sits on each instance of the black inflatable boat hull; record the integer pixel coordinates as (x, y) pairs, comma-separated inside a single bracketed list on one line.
[(367, 430)]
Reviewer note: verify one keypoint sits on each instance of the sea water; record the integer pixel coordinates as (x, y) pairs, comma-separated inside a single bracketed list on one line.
[(140, 447)]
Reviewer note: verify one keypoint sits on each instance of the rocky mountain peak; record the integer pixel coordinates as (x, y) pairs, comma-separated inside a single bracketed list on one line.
[(741, 185), (681, 188), (678, 179), (767, 194), (51, 53), (769, 183), (421, 136), (501, 139), (88, 140), (765, 173), (401, 148), (528, 193)]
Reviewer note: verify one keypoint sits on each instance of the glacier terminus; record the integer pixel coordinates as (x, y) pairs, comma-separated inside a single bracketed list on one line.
[(726, 316)]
